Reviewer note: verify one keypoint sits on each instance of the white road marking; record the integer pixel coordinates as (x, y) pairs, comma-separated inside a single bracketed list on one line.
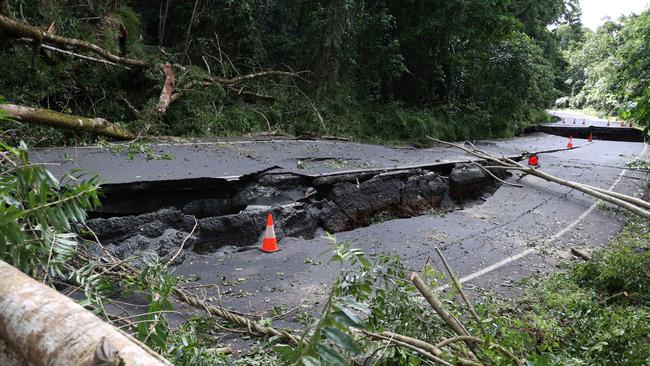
[(557, 235)]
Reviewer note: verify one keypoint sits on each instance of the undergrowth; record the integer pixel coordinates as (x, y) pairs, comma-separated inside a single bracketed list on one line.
[(595, 313)]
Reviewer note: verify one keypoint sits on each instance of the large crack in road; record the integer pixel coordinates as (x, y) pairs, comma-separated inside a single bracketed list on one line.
[(141, 219)]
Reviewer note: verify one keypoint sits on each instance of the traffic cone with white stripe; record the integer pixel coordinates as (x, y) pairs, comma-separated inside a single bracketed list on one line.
[(269, 243), (570, 144)]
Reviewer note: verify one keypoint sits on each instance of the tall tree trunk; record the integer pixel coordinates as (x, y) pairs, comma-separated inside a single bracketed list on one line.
[(188, 35), (98, 126), (39, 326)]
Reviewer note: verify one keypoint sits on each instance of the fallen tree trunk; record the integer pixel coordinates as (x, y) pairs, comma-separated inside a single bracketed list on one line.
[(167, 92), (39, 35), (39, 326), (98, 126), (623, 201)]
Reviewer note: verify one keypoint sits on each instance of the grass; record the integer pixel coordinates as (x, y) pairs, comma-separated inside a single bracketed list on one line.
[(596, 313)]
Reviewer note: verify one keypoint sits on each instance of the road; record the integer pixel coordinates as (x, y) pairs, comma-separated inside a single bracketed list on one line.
[(492, 245)]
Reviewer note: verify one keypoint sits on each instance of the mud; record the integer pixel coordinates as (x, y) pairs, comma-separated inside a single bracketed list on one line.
[(144, 219)]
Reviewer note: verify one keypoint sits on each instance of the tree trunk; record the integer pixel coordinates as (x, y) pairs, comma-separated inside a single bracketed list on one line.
[(98, 126), (167, 92), (38, 35), (39, 326)]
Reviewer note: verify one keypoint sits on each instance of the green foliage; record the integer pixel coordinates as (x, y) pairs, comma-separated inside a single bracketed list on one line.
[(623, 267), (135, 149), (189, 344), (37, 213), (383, 71), (638, 111), (608, 69), (156, 282), (595, 314)]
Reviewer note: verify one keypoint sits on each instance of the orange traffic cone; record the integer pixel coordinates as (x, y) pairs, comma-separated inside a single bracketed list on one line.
[(591, 137), (570, 144), (269, 244)]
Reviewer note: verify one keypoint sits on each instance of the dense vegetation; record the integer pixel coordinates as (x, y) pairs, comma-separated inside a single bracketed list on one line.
[(385, 70), (608, 69), (374, 70), (595, 313)]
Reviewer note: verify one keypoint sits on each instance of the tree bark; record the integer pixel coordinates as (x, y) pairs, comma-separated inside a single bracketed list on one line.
[(167, 92), (38, 35), (98, 126), (39, 326)]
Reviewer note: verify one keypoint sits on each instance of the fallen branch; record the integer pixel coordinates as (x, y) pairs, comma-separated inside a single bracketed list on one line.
[(98, 126), (495, 177), (167, 92), (626, 198), (238, 79), (422, 352), (445, 315), (252, 326), (500, 348), (39, 36), (509, 164), (580, 254), (73, 54), (458, 287), (39, 326), (114, 268)]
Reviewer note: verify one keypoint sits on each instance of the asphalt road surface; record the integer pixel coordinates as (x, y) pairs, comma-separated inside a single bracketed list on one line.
[(512, 234)]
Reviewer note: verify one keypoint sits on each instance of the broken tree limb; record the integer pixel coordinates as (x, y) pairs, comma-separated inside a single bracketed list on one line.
[(495, 177), (507, 163), (39, 326), (167, 92), (98, 126), (445, 315), (422, 352), (240, 78), (39, 36), (75, 55), (626, 198), (505, 351), (603, 196), (580, 254), (459, 288), (252, 326)]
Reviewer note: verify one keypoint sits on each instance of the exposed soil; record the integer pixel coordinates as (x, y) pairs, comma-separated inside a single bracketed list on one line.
[(138, 219)]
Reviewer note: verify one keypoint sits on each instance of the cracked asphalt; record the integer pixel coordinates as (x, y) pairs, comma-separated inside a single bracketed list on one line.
[(492, 245)]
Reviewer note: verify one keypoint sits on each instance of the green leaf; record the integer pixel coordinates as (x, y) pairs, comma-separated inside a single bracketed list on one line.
[(341, 339), (310, 361)]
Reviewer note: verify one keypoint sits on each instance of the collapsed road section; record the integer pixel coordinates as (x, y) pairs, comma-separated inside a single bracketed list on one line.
[(218, 214)]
